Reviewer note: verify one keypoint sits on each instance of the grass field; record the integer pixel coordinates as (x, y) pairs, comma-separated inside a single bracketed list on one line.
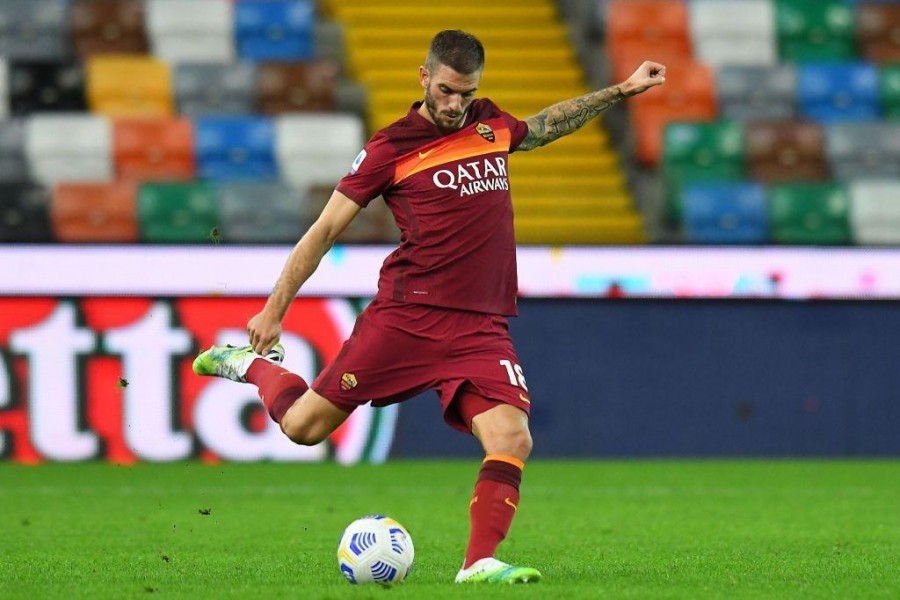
[(596, 529)]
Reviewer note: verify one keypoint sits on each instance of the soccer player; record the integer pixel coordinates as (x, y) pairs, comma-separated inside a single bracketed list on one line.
[(438, 320)]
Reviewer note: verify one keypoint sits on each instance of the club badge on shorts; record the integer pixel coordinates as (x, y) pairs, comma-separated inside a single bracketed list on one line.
[(485, 131), (348, 381)]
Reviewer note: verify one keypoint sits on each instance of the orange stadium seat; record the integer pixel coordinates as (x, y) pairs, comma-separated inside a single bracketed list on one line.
[(94, 212), (100, 26), (129, 85), (785, 151), (646, 29), (297, 86), (154, 148), (689, 95)]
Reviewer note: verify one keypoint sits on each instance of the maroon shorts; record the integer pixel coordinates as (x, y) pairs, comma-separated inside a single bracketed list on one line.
[(398, 350)]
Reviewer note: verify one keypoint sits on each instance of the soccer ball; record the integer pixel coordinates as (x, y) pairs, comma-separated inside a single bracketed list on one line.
[(375, 549)]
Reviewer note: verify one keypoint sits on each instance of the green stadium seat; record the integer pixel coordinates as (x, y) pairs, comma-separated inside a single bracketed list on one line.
[(700, 151), (815, 30), (810, 213), (890, 91), (178, 212)]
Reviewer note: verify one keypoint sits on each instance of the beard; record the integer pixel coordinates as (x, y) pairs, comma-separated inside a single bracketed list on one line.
[(438, 118)]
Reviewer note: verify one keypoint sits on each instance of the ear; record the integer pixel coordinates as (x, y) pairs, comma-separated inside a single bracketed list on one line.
[(423, 77)]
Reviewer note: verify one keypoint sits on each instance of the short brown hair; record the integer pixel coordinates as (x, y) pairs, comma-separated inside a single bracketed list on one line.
[(456, 49)]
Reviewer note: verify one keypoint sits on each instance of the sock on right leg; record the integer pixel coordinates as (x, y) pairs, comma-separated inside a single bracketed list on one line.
[(278, 388)]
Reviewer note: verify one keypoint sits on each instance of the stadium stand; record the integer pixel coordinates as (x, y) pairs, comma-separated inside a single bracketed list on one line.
[(804, 104), (233, 100)]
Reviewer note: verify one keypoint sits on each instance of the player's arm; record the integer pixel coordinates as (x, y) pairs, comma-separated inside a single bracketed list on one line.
[(265, 327), (571, 115)]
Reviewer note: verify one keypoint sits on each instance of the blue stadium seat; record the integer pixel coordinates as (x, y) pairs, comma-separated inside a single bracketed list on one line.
[(725, 213), (841, 91), (235, 148), (266, 30)]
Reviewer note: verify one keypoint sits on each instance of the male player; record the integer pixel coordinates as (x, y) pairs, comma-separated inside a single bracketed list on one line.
[(438, 320)]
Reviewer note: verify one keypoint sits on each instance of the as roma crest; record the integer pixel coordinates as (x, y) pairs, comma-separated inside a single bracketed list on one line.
[(348, 381), (485, 131)]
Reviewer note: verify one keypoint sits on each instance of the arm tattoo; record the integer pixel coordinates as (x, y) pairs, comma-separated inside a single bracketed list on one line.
[(568, 116)]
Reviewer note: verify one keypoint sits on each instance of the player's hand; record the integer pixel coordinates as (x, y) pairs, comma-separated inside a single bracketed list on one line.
[(648, 75), (264, 332)]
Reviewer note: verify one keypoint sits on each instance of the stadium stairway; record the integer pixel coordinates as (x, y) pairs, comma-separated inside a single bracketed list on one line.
[(571, 192)]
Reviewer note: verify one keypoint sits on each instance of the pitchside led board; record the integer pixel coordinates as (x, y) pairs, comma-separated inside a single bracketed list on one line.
[(96, 342)]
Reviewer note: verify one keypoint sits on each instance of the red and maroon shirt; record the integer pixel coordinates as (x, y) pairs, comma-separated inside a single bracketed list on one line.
[(449, 194)]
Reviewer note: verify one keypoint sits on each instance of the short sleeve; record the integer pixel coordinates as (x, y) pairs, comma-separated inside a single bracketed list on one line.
[(371, 172), (518, 129)]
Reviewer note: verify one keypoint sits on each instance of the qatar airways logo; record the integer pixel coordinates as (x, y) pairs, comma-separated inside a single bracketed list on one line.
[(485, 175)]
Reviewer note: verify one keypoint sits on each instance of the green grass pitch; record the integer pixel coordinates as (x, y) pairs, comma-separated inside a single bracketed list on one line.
[(597, 529)]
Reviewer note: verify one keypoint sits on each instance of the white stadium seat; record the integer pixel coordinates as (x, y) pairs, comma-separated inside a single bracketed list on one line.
[(738, 32), (69, 147), (191, 31), (317, 148), (875, 211)]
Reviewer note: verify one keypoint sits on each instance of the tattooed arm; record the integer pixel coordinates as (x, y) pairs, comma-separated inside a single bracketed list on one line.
[(568, 116)]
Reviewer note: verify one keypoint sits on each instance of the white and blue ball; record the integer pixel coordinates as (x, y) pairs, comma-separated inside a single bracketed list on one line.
[(375, 549)]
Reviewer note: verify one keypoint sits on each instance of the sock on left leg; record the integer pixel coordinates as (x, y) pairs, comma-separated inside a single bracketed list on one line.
[(493, 505)]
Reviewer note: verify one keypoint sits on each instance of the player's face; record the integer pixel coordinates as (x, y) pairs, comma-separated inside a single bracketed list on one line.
[(448, 95)]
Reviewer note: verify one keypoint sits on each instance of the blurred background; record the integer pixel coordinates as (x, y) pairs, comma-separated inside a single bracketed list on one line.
[(711, 269)]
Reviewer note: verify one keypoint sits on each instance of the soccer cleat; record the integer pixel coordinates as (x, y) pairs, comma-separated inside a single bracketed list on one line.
[(491, 570), (232, 362)]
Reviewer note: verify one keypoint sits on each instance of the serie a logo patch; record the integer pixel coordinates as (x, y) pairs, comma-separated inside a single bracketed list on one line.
[(485, 131), (348, 381)]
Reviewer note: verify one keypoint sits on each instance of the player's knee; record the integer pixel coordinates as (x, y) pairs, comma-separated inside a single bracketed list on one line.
[(302, 432), (515, 442)]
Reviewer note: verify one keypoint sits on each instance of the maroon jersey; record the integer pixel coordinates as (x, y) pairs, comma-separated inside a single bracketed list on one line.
[(449, 194)]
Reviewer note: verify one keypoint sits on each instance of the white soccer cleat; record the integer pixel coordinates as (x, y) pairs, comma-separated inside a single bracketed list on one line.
[(232, 362), (491, 570)]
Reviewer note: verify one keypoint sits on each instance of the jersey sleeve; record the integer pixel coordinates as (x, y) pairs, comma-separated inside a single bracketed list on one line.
[(518, 129), (371, 172)]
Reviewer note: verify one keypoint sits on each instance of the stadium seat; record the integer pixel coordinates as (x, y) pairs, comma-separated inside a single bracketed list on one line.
[(810, 213), (830, 92), (889, 91), (31, 30), (815, 30), (638, 29), (69, 147), (46, 86), (129, 85), (864, 150), (786, 151), (24, 213), (757, 93), (728, 212), (13, 164), (153, 149), (317, 148), (739, 32), (700, 151), (262, 212), (297, 87), (216, 89), (875, 211), (178, 212), (878, 32), (191, 31), (100, 26), (689, 96), (94, 212), (236, 148), (267, 30)]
